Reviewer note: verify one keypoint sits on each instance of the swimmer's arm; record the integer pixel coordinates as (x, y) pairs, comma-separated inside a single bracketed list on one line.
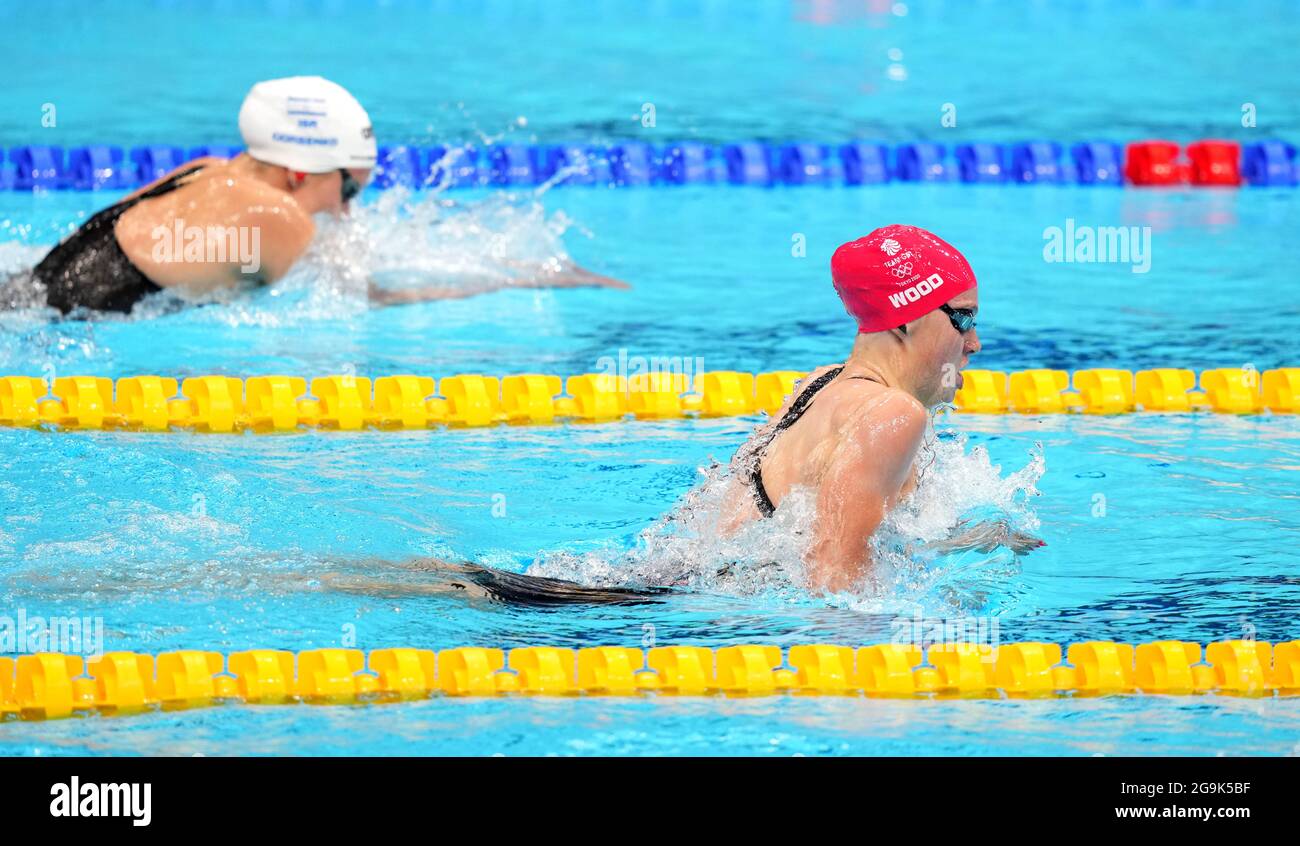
[(283, 234), (985, 537), (563, 274), (571, 277), (381, 296), (863, 481)]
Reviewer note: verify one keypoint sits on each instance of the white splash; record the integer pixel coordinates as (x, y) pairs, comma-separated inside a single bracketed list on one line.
[(957, 490), (764, 559), (406, 239)]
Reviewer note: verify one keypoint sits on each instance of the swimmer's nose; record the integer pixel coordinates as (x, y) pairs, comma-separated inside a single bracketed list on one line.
[(973, 344)]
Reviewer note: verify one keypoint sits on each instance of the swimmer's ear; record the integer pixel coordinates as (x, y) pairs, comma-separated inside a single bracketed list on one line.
[(296, 178)]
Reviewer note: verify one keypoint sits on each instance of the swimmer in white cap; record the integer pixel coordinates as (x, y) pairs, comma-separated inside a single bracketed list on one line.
[(311, 149)]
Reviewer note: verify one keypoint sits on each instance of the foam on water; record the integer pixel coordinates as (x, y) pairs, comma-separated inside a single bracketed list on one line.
[(28, 330), (407, 240), (956, 489)]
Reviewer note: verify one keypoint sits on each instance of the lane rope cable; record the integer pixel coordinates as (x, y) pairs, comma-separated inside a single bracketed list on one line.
[(284, 403), (52, 685), (1157, 163)]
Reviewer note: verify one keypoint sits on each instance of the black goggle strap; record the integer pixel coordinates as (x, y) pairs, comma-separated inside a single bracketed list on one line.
[(349, 187)]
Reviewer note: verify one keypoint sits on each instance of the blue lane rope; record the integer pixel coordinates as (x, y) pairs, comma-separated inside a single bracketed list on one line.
[(99, 166)]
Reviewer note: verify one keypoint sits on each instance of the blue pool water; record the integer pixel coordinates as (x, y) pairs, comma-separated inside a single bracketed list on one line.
[(717, 70), (297, 541)]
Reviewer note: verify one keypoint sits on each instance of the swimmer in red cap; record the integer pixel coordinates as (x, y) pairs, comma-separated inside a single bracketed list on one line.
[(851, 431)]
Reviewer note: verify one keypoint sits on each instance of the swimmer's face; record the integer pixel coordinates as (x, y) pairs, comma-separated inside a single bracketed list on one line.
[(941, 352), (348, 187)]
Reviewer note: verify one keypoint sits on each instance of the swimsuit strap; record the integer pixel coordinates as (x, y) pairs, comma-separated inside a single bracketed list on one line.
[(805, 398), (165, 187), (791, 416), (88, 268)]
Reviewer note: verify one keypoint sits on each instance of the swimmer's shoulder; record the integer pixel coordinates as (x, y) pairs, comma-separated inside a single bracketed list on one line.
[(878, 438), (888, 412), (262, 200), (207, 163), (284, 228)]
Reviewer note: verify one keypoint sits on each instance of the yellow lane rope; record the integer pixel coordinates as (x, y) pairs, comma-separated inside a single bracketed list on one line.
[(51, 685), (285, 403)]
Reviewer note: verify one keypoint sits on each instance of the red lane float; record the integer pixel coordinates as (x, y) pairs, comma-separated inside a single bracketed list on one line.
[(1215, 162), (1153, 163)]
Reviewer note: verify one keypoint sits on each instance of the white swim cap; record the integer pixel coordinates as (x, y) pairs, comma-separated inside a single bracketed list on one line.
[(306, 123)]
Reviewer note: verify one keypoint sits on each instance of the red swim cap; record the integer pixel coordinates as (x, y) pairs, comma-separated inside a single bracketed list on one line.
[(897, 274)]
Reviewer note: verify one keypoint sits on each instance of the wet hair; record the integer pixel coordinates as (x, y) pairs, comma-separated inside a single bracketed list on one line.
[(520, 589)]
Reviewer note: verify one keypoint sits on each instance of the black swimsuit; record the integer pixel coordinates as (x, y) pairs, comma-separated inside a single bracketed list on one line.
[(88, 268), (792, 415)]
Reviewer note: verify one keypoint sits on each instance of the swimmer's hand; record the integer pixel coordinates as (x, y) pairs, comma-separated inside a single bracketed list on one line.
[(985, 537), (574, 277), (566, 275)]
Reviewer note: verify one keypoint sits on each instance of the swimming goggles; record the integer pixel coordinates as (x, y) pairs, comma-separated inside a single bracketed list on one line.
[(963, 319), (349, 188)]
